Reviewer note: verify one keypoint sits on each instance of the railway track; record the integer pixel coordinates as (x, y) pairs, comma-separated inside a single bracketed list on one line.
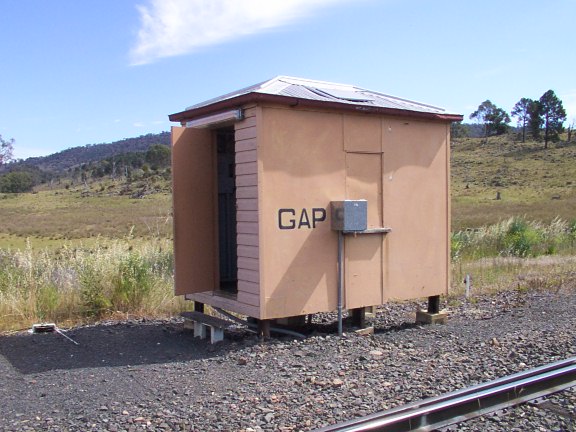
[(461, 405)]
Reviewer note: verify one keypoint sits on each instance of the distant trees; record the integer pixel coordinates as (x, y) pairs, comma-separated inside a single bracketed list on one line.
[(545, 115), (458, 130), (16, 182), (12, 182), (6, 149), (523, 111), (158, 156), (552, 115), (494, 119)]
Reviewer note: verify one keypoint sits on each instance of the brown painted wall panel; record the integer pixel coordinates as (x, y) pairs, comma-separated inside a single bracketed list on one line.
[(363, 270), (246, 156), (246, 145), (247, 204), (416, 204), (246, 180), (248, 251), (249, 298), (247, 216), (249, 275), (245, 134), (301, 168), (248, 239), (250, 111), (362, 133), (226, 303), (247, 168), (247, 228), (364, 181), (193, 173), (248, 263), (249, 120), (363, 263), (249, 287), (247, 191)]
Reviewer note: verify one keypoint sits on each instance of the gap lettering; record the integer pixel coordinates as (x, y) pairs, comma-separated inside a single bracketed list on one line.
[(289, 219)]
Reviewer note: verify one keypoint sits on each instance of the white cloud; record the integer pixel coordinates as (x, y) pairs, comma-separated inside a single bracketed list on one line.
[(176, 27)]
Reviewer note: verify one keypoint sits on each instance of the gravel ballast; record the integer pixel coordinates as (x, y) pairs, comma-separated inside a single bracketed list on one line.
[(154, 376)]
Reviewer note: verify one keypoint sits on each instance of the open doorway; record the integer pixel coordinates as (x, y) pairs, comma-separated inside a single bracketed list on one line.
[(227, 254)]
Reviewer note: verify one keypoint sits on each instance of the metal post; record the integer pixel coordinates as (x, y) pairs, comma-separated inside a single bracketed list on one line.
[(340, 276)]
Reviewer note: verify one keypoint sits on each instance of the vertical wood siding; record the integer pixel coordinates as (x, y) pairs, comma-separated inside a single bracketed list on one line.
[(247, 206)]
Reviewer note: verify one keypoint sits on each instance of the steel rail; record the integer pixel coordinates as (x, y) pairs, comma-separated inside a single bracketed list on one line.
[(465, 404)]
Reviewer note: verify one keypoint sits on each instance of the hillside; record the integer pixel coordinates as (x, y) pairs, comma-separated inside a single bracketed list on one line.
[(61, 161), (528, 180)]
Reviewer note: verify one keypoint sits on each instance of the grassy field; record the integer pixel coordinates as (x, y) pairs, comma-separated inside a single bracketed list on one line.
[(533, 182), (74, 253), (48, 216)]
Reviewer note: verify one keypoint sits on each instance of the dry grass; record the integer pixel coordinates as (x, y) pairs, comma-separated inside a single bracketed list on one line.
[(65, 214), (74, 284), (490, 275), (532, 182)]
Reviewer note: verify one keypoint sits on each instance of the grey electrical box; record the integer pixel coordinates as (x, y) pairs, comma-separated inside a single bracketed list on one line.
[(349, 215)]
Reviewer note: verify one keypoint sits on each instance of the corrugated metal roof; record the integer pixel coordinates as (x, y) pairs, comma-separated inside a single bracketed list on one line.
[(328, 92)]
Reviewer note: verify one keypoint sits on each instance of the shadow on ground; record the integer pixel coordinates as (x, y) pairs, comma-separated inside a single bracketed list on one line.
[(108, 345)]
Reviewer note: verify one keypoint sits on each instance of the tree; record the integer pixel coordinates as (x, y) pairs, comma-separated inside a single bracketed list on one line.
[(158, 156), (535, 121), (458, 130), (494, 119), (552, 115), (16, 182), (523, 108), (6, 149)]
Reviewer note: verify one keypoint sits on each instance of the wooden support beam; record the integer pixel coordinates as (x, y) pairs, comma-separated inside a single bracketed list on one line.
[(264, 328), (358, 317), (434, 304)]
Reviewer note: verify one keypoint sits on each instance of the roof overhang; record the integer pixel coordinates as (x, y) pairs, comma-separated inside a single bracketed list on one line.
[(254, 97)]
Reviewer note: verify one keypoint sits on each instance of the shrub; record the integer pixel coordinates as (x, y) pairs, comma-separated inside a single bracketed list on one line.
[(514, 237), (132, 283), (520, 239), (78, 283), (16, 182), (47, 298), (94, 299)]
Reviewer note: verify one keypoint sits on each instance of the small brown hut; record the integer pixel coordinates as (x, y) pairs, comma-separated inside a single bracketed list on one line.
[(255, 172)]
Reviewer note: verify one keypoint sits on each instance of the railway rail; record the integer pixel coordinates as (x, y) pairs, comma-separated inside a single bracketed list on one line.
[(461, 405)]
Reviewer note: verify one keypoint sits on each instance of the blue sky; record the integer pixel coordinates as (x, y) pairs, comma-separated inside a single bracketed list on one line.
[(91, 71)]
